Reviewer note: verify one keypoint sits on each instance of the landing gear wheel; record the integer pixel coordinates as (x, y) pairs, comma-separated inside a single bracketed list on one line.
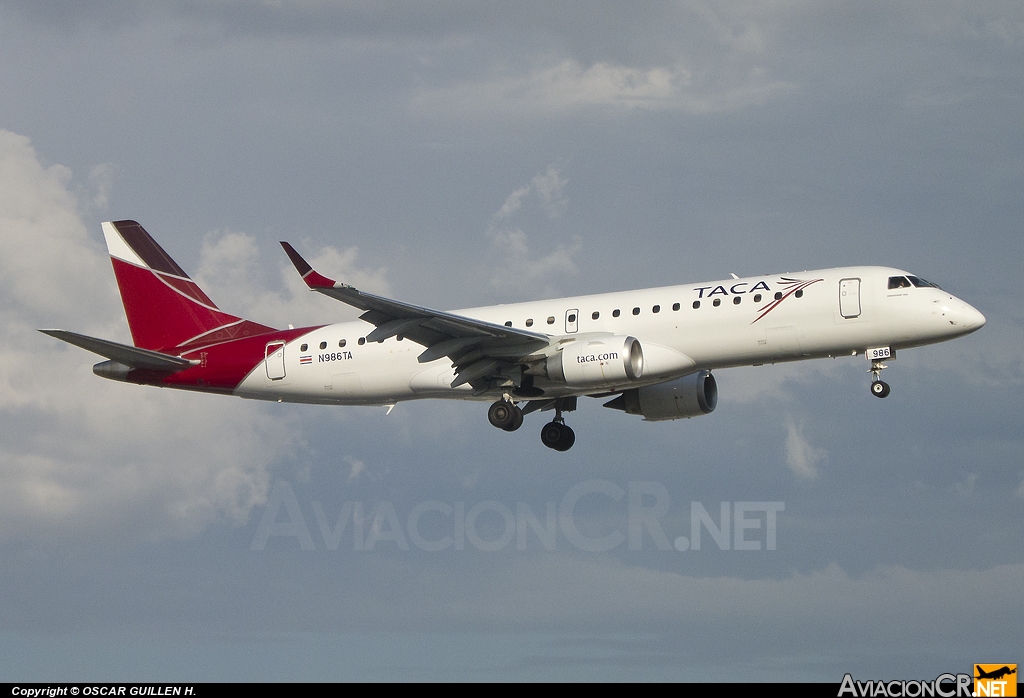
[(551, 434), (879, 388), (517, 419), (502, 414), (558, 436), (568, 438)]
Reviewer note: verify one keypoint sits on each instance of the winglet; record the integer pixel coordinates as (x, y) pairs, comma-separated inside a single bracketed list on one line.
[(311, 277)]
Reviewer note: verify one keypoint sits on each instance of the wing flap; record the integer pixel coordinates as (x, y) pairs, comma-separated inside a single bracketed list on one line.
[(393, 327)]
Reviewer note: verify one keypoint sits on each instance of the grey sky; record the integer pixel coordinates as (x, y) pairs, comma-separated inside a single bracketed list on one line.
[(454, 154)]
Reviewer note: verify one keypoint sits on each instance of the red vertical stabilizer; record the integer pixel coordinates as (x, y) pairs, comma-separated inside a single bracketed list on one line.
[(166, 310)]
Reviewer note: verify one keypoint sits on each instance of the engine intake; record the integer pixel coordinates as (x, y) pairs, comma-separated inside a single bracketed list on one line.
[(595, 362)]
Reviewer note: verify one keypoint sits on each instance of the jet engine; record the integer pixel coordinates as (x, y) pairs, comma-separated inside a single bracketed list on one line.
[(689, 396), (601, 361)]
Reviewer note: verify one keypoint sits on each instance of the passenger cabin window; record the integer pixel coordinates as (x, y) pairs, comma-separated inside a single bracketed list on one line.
[(899, 282), (636, 311), (508, 323), (342, 343), (656, 309), (757, 297), (551, 319), (529, 322), (323, 345), (717, 302), (778, 295), (304, 347), (572, 318), (696, 304), (736, 300), (799, 294), (595, 315), (615, 313), (675, 306), (362, 341)]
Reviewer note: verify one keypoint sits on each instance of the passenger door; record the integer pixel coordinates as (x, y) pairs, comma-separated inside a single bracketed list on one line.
[(849, 298)]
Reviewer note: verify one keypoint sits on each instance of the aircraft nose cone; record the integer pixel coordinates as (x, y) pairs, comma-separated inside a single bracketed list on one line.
[(959, 317), (964, 316), (973, 319)]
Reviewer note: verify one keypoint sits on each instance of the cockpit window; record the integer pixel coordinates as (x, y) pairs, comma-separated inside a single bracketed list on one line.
[(921, 283), (899, 282)]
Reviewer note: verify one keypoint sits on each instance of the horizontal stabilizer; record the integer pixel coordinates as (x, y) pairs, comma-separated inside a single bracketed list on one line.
[(132, 357)]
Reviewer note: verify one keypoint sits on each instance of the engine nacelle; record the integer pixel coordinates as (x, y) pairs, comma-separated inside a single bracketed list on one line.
[(689, 396), (601, 361)]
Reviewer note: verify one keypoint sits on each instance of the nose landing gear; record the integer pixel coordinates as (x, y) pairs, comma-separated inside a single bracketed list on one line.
[(879, 388)]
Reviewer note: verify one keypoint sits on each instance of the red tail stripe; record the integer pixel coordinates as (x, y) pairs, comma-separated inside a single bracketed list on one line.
[(159, 315)]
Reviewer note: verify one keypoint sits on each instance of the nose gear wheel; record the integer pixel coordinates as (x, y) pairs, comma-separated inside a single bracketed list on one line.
[(879, 388)]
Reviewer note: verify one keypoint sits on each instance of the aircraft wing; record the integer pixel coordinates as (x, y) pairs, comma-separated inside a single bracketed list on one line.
[(480, 351), (133, 357)]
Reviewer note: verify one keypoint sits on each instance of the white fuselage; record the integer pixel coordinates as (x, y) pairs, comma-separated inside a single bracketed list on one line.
[(757, 320)]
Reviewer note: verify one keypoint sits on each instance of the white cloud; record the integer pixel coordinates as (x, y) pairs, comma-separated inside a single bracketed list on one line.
[(342, 265), (48, 258), (801, 457), (570, 85), (747, 384), (516, 266), (549, 186), (733, 25), (231, 272), (101, 179), (356, 468), (512, 204), (519, 268), (78, 452)]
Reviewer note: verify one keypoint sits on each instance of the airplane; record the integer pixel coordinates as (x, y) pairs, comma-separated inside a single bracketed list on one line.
[(652, 351), (995, 673)]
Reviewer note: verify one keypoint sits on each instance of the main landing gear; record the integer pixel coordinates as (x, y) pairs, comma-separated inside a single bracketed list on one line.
[(556, 434), (505, 415)]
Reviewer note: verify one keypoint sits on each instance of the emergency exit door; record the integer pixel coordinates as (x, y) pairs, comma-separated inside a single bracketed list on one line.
[(275, 360), (572, 320)]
